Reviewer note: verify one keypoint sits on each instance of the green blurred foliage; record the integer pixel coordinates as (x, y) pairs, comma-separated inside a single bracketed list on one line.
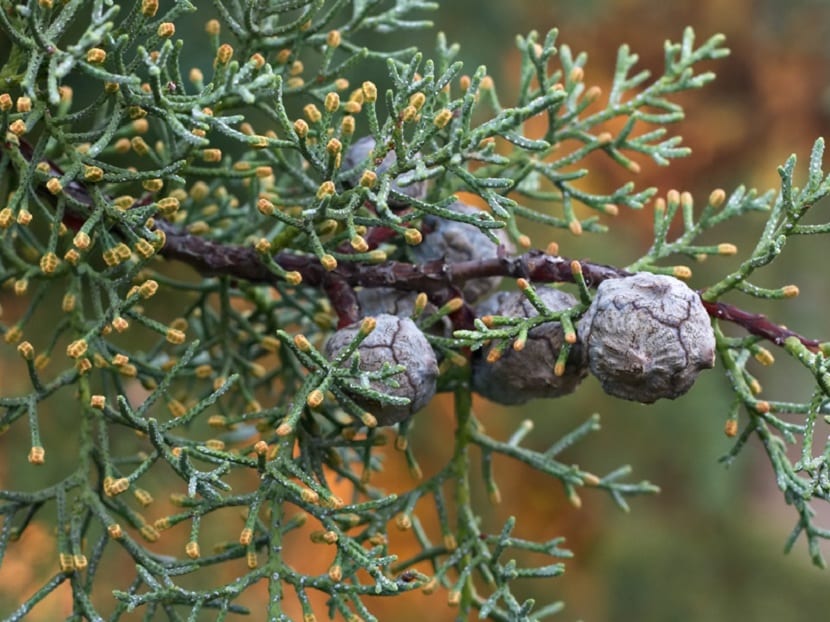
[(709, 547)]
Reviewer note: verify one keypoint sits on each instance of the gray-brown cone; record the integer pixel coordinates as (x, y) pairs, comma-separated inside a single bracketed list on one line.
[(376, 300), (647, 337), (398, 341), (455, 242), (519, 376), (357, 160)]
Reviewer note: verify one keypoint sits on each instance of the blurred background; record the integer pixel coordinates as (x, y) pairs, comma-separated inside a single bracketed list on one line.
[(710, 546)]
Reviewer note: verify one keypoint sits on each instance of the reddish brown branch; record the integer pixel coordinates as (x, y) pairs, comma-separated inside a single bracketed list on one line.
[(757, 324), (438, 279)]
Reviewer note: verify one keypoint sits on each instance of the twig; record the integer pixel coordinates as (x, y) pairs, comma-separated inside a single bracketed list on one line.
[(438, 279)]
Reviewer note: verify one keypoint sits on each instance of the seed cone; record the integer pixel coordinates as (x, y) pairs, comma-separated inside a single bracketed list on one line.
[(647, 337), (455, 242), (519, 376), (396, 341), (357, 159)]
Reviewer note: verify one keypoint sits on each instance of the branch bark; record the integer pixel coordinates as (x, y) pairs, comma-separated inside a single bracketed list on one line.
[(438, 279)]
